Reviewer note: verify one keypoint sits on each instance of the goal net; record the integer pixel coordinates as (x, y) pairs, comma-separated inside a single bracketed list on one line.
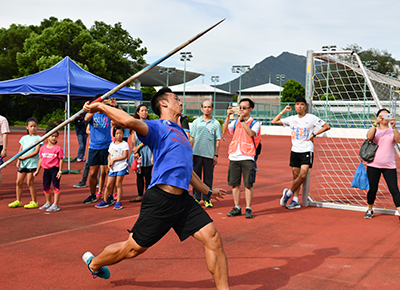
[(346, 94)]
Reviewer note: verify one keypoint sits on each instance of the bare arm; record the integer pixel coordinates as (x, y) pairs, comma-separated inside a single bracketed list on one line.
[(371, 132), (5, 143), (226, 123), (395, 131), (324, 128), (277, 120), (215, 159), (200, 186), (120, 117), (191, 140)]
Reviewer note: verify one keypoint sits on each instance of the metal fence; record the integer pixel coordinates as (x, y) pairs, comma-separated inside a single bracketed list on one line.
[(346, 117)]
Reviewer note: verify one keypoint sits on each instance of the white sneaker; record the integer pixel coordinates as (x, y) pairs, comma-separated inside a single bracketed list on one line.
[(53, 208), (45, 206)]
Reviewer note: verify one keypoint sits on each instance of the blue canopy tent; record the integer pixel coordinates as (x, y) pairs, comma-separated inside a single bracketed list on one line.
[(66, 81)]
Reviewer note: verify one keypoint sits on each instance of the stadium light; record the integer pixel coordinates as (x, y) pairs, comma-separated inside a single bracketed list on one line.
[(241, 69), (215, 80), (280, 78), (167, 71), (185, 56)]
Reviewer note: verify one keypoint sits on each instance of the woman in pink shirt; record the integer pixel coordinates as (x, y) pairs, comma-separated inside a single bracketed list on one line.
[(384, 162)]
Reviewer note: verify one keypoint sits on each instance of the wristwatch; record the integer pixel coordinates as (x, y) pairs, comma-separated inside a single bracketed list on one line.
[(242, 120)]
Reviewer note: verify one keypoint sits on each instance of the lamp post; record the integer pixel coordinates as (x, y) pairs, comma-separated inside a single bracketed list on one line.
[(167, 71), (280, 78), (215, 80), (241, 69), (327, 48), (185, 56)]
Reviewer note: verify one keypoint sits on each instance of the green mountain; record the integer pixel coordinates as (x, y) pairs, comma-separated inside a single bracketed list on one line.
[(293, 66)]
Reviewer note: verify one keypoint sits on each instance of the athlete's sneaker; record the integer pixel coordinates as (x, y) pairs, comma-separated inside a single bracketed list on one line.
[(207, 203), (80, 185), (249, 213), (284, 198), (117, 205), (103, 273), (293, 205), (369, 214), (31, 205), (15, 204), (102, 204), (234, 212), (53, 208), (99, 195), (110, 200), (91, 198), (45, 206)]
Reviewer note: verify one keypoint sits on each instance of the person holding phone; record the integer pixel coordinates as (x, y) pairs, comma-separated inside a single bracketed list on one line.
[(385, 137)]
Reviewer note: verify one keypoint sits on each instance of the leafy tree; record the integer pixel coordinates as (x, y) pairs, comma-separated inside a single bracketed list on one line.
[(385, 62), (292, 90), (148, 92)]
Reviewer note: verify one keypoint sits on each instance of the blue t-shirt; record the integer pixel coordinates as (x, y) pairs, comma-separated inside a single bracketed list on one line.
[(100, 131), (172, 153)]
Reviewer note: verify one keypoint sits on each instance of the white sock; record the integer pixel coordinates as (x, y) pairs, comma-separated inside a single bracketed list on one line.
[(296, 198), (289, 193), (248, 207), (237, 206)]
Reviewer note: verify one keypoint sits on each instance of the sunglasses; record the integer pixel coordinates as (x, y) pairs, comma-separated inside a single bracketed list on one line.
[(244, 108)]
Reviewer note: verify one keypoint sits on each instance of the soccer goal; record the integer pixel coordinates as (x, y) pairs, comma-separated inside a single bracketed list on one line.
[(345, 93)]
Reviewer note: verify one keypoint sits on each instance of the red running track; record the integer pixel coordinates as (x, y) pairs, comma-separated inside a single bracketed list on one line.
[(308, 248)]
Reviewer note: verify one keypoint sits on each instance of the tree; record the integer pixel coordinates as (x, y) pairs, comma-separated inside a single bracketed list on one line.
[(148, 92), (386, 63), (292, 90)]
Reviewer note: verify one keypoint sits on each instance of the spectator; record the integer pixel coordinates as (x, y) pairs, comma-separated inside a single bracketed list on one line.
[(205, 136), (242, 150), (80, 129), (4, 131)]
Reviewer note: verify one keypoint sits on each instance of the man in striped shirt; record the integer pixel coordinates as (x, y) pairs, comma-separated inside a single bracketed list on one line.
[(205, 135)]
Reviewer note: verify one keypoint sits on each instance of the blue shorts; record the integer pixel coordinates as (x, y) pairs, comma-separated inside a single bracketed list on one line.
[(98, 157), (119, 173)]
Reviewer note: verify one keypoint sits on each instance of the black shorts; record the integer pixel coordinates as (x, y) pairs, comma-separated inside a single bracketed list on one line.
[(237, 168), (299, 159), (160, 211), (26, 170), (98, 157)]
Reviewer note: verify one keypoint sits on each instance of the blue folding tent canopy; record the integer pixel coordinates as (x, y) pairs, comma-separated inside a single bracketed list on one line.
[(66, 81)]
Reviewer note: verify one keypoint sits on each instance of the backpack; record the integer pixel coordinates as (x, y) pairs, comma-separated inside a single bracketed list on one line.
[(258, 146)]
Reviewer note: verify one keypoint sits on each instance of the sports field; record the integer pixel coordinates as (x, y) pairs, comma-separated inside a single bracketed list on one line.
[(308, 248)]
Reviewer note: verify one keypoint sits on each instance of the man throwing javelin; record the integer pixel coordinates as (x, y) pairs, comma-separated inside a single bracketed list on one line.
[(302, 126), (166, 203)]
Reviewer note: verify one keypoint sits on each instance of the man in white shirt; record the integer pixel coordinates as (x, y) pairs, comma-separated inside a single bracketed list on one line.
[(4, 131), (302, 126)]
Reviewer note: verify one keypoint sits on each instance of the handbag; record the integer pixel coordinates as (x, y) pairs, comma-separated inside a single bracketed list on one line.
[(360, 179), (367, 150)]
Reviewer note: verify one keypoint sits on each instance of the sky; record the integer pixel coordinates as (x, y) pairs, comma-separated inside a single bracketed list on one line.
[(252, 31)]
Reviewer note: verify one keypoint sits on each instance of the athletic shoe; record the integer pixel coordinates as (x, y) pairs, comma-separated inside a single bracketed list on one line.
[(15, 204), (284, 198), (208, 203), (31, 205), (369, 214), (99, 195), (103, 273), (80, 185), (197, 200), (91, 198), (117, 205), (53, 208), (234, 212), (80, 160), (249, 213), (45, 206), (110, 200), (102, 204), (293, 205)]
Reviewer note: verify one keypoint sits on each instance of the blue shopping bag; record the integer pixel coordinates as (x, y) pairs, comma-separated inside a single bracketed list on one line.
[(360, 179)]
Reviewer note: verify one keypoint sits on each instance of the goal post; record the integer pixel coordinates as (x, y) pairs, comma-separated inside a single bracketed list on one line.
[(346, 94)]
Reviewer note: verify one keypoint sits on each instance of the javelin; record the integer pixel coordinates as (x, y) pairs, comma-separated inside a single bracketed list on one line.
[(109, 93)]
